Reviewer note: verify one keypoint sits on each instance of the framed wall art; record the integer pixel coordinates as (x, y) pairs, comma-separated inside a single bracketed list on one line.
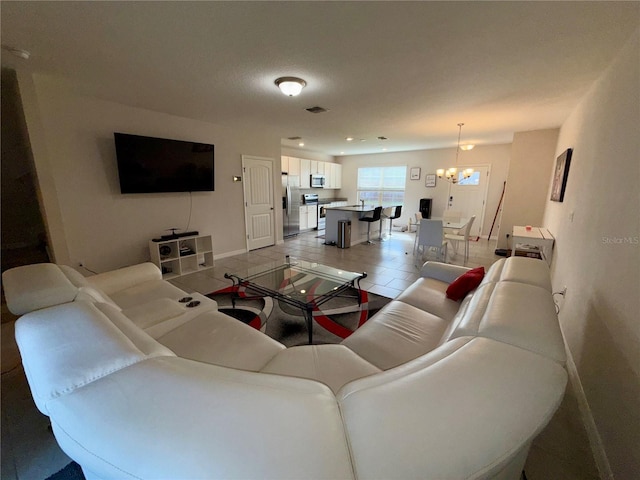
[(415, 173), (560, 176), (430, 180)]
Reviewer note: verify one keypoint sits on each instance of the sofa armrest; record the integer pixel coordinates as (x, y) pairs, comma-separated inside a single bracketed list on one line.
[(442, 271), (116, 280)]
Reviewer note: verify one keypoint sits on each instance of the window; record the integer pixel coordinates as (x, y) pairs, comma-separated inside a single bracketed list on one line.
[(382, 185), (474, 179)]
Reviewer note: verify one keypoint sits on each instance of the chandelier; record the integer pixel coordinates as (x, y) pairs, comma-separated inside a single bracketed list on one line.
[(451, 174)]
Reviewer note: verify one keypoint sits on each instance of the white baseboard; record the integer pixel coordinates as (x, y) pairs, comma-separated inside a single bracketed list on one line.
[(229, 254), (595, 441)]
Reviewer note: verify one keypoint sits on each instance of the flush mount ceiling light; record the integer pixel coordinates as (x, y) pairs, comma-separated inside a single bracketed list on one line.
[(290, 86), (18, 52)]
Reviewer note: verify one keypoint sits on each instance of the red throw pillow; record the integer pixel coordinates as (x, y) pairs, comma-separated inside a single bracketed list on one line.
[(465, 283)]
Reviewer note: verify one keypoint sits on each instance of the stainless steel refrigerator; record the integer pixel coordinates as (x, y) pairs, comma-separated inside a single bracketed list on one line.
[(290, 204)]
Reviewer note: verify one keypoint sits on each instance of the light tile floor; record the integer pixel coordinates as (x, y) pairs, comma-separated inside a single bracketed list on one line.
[(560, 452)]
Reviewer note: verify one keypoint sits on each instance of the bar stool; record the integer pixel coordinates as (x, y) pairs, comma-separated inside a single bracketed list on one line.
[(396, 214), (375, 218), (387, 212)]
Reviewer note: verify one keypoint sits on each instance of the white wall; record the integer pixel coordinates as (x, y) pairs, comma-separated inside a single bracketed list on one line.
[(598, 255), (497, 156), (532, 161), (75, 158)]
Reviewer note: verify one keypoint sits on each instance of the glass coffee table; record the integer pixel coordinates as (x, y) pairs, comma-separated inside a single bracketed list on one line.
[(305, 285)]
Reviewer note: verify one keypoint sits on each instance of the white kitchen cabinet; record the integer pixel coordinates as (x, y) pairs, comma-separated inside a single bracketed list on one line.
[(305, 173), (304, 217), (284, 161), (337, 175), (313, 167), (329, 175), (308, 217), (321, 168), (182, 255), (312, 216), (294, 166)]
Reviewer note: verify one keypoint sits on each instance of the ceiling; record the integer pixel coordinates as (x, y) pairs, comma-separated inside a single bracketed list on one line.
[(408, 71)]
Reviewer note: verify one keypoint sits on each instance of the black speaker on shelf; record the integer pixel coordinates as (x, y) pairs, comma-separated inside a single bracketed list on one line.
[(425, 207)]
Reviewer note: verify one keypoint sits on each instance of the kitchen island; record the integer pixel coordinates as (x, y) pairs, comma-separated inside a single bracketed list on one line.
[(358, 228)]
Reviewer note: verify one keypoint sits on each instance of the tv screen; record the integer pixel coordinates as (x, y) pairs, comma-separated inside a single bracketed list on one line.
[(150, 165)]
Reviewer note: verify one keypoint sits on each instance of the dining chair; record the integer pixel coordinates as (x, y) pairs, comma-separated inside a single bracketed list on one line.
[(375, 218), (430, 237), (453, 216), (461, 235)]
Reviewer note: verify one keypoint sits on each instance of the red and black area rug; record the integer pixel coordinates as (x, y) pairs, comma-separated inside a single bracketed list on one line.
[(333, 321)]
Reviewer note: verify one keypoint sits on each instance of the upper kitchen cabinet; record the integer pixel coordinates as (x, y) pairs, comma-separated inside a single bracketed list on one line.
[(305, 173), (284, 162), (294, 166), (333, 175)]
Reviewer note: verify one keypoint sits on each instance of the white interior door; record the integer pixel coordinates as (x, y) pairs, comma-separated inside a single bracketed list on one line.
[(469, 196), (258, 201)]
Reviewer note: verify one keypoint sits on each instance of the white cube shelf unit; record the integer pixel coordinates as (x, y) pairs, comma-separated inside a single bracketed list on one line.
[(181, 256)]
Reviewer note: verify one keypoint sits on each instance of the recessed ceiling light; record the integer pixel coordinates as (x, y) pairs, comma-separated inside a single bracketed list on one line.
[(466, 147), (290, 86), (301, 144), (349, 139)]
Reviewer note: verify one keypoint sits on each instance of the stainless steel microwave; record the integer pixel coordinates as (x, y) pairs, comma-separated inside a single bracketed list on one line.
[(317, 181)]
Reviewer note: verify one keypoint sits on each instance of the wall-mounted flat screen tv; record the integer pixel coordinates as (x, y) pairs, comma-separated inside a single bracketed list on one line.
[(151, 165)]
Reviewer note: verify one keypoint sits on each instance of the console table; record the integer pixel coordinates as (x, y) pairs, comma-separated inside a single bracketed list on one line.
[(538, 237)]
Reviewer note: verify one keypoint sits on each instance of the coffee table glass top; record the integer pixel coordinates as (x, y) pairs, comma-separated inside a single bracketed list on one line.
[(299, 281)]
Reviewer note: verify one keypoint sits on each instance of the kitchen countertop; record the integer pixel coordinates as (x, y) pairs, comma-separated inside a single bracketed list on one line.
[(353, 208)]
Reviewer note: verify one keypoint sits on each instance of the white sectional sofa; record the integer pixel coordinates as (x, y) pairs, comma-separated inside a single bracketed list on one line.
[(137, 385)]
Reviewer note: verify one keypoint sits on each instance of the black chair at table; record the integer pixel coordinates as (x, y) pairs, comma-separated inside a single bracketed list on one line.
[(396, 214), (375, 218)]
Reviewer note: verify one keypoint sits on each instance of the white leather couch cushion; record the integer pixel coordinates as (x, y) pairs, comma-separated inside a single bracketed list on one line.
[(145, 292), (37, 286), (333, 365), (216, 338), (137, 336), (396, 334), (429, 294), (68, 346), (519, 314), (191, 420), (477, 400), (527, 270), (93, 295), (123, 278), (520, 269), (74, 276)]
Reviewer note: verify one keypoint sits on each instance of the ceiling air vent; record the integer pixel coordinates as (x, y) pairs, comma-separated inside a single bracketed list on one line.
[(294, 138), (316, 109)]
